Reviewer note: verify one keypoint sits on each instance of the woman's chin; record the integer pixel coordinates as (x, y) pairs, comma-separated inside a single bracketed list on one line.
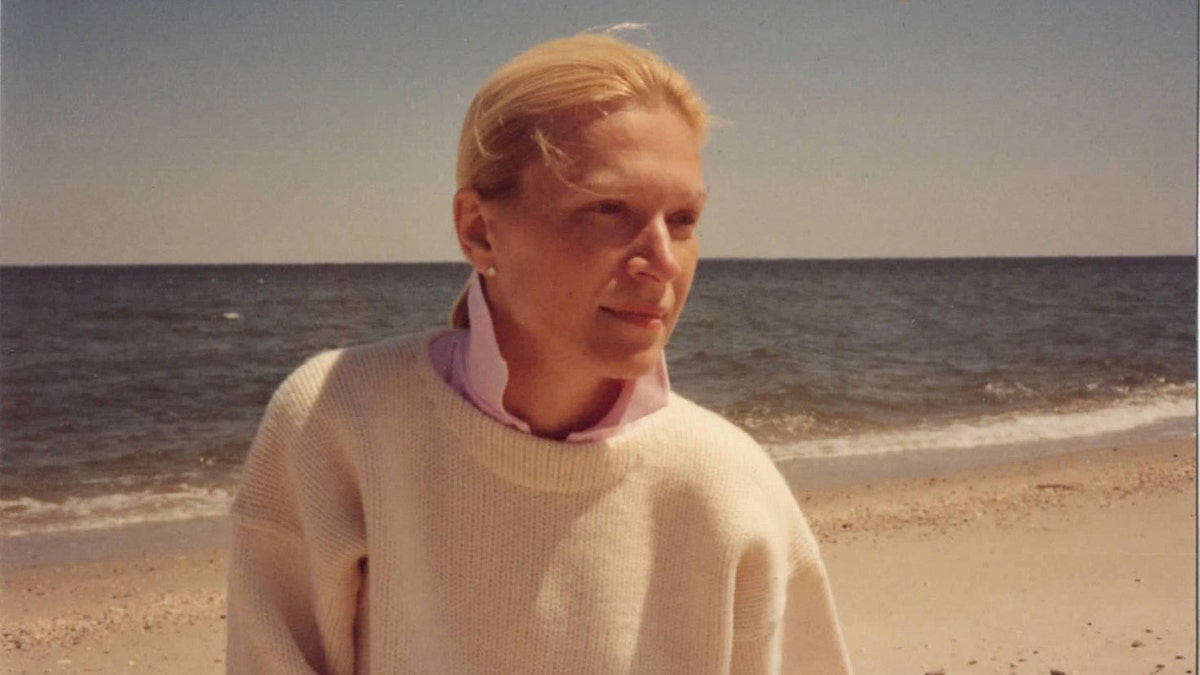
[(631, 364)]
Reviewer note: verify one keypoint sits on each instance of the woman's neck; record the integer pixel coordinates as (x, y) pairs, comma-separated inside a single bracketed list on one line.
[(556, 404)]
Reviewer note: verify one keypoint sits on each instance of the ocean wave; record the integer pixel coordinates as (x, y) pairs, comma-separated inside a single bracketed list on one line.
[(1171, 411), (24, 515)]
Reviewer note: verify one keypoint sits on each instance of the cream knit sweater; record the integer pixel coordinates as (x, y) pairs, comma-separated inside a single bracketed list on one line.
[(384, 525)]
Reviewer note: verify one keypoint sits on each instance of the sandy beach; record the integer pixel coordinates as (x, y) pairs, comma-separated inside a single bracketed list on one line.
[(1080, 563)]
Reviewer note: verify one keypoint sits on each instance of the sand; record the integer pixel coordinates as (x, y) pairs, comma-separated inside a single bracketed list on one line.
[(1079, 564), (1082, 564)]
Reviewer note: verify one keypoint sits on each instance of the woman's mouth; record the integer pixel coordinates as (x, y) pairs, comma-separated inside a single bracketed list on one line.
[(638, 316)]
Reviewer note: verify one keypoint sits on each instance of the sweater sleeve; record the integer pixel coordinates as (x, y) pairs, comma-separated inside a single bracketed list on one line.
[(810, 630), (298, 537)]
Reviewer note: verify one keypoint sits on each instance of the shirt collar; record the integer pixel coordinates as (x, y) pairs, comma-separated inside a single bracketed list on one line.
[(487, 377)]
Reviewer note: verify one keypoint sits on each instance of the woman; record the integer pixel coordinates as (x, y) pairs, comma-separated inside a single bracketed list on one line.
[(524, 494)]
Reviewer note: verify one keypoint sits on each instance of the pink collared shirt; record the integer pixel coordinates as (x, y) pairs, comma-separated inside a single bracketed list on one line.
[(470, 362)]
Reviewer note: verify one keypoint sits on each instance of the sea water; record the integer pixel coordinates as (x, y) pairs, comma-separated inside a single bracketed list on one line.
[(131, 394)]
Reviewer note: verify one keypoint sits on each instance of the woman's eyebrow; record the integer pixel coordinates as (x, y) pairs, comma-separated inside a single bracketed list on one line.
[(605, 187)]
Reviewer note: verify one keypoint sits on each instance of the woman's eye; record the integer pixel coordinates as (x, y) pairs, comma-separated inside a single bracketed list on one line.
[(685, 219), (608, 208)]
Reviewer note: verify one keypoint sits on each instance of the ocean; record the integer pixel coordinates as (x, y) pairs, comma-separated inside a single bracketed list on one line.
[(131, 394)]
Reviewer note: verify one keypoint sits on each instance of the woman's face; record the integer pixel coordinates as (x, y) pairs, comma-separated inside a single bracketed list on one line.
[(593, 270)]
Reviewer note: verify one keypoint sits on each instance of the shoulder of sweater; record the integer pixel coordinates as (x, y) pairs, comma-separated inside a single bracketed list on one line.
[(729, 447), (713, 432), (299, 455), (743, 468), (345, 371)]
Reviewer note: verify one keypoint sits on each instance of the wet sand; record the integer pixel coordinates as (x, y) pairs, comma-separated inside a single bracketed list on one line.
[(1082, 563)]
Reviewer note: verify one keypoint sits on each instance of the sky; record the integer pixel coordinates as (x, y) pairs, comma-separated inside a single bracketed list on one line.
[(298, 131)]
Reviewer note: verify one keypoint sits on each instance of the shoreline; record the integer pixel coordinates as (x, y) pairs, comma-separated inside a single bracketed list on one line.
[(1097, 476), (68, 542), (132, 541), (844, 471), (1060, 561)]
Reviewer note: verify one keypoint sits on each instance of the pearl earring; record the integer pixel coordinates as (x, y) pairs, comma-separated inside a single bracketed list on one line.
[(490, 271)]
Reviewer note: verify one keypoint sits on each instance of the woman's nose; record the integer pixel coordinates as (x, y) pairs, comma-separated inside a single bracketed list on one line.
[(654, 253)]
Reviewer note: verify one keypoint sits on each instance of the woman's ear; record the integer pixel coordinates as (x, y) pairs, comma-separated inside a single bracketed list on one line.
[(473, 229)]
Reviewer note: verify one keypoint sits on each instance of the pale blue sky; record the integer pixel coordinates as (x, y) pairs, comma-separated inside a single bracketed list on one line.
[(142, 131)]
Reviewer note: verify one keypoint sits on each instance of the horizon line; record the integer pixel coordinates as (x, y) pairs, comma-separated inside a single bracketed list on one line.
[(332, 263)]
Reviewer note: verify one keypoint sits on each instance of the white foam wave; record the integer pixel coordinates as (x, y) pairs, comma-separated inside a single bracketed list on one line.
[(1172, 414), (24, 515)]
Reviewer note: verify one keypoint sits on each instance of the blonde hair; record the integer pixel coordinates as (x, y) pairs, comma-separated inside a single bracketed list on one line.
[(509, 122)]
